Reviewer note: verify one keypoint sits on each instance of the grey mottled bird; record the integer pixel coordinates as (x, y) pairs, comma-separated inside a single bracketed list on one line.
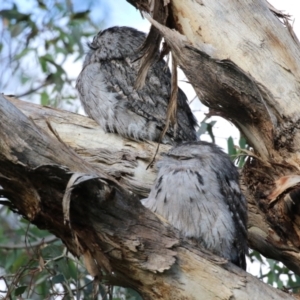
[(197, 191), (106, 89)]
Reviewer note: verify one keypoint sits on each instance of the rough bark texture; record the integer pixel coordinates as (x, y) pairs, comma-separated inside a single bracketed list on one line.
[(48, 173)]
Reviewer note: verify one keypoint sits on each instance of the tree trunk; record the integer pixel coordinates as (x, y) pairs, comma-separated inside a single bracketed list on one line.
[(61, 172)]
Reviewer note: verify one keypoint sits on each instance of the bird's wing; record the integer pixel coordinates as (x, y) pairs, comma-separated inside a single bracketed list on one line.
[(152, 100)]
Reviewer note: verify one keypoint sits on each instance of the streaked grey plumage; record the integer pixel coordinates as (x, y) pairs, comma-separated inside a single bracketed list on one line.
[(106, 89), (197, 191)]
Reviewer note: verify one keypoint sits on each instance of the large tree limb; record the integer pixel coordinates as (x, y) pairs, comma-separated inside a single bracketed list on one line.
[(107, 224)]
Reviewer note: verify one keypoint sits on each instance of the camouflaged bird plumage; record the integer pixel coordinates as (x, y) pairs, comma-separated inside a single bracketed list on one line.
[(106, 90), (197, 191)]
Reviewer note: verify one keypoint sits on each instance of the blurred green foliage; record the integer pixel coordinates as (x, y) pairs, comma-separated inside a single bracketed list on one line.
[(41, 268), (207, 128), (237, 153), (41, 40)]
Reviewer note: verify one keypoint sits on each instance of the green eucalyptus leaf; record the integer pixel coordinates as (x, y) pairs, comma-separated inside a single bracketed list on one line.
[(20, 290), (230, 148), (80, 15), (58, 279)]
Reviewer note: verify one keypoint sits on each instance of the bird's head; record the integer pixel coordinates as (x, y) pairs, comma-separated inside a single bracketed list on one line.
[(115, 43)]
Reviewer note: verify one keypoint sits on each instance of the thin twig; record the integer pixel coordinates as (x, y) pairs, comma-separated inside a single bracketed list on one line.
[(32, 90), (38, 243)]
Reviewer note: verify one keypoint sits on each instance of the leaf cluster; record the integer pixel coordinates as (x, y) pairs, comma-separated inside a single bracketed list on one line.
[(41, 41)]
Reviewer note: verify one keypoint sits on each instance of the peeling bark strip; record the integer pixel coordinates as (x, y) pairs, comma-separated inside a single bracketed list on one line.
[(109, 226), (159, 10)]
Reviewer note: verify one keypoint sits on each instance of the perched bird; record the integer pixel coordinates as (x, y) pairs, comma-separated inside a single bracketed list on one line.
[(106, 90), (197, 191)]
